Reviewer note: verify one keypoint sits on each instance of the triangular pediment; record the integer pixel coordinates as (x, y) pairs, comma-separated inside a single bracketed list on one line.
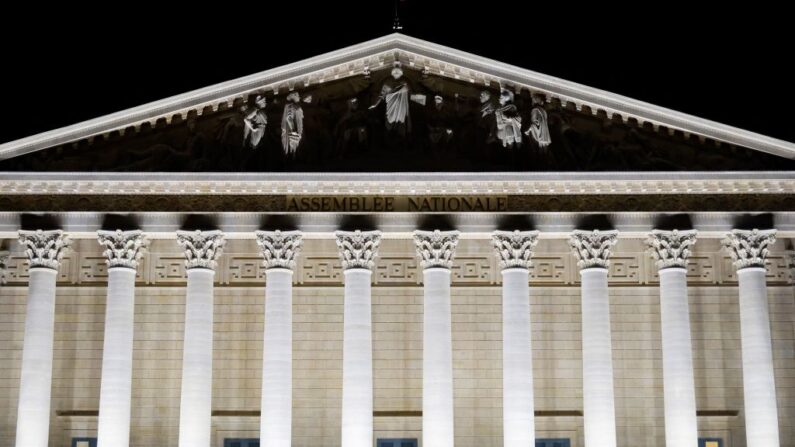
[(447, 111)]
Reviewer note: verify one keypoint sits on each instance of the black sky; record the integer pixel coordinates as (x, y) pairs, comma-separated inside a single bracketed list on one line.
[(732, 65)]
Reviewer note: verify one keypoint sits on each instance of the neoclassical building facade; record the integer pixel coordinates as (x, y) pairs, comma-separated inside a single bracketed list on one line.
[(397, 244)]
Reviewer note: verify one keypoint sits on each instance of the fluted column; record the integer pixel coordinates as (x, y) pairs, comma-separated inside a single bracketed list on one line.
[(279, 248), (45, 250), (671, 250), (202, 249), (514, 251), (749, 250), (436, 250), (123, 250), (592, 250), (357, 250)]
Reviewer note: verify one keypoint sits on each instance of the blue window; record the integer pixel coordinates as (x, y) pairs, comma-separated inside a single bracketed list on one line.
[(397, 443), (553, 443), (710, 442), (241, 442), (84, 442)]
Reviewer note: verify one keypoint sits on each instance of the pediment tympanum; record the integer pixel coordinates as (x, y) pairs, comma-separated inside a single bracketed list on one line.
[(396, 116)]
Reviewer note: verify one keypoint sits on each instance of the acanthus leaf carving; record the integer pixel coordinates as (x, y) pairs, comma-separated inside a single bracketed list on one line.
[(436, 248), (358, 248), (671, 248), (593, 248), (279, 248), (44, 248), (202, 248), (122, 248), (514, 249), (749, 248)]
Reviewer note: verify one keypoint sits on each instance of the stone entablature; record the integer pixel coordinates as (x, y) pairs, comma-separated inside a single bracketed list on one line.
[(475, 263)]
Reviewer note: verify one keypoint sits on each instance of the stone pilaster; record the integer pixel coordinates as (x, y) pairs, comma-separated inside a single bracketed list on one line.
[(749, 250), (436, 250), (514, 250), (44, 250), (123, 250), (279, 250), (202, 250), (357, 251), (671, 250), (593, 249)]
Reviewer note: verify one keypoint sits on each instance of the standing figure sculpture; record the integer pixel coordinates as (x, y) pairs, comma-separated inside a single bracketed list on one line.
[(395, 93), (509, 123), (255, 122), (292, 124), (539, 124)]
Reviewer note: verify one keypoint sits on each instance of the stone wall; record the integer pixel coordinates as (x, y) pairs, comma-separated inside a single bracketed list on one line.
[(397, 356)]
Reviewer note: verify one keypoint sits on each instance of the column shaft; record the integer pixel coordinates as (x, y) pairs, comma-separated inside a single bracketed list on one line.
[(33, 417), (357, 361), (117, 360), (277, 360), (759, 387), (517, 360), (597, 361), (437, 360), (681, 428), (195, 425)]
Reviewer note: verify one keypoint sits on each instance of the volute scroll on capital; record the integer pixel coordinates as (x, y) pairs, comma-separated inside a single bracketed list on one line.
[(514, 249), (123, 248), (671, 248), (436, 248), (358, 249), (202, 248), (593, 248), (749, 248), (279, 248), (44, 248)]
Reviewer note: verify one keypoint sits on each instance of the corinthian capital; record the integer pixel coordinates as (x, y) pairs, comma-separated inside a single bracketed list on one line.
[(3, 266), (515, 248), (671, 248), (279, 248), (358, 248), (202, 248), (44, 248), (122, 248), (592, 248), (748, 248), (436, 248)]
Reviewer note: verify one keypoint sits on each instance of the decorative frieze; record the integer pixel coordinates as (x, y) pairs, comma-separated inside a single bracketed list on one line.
[(436, 248), (749, 248), (592, 248), (358, 249), (44, 248), (201, 248), (122, 248), (515, 248), (279, 248), (398, 265), (671, 248)]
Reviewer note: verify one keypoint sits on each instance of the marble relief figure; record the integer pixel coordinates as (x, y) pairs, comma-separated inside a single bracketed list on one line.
[(395, 118), (396, 94), (292, 123), (255, 122), (509, 122), (539, 124)]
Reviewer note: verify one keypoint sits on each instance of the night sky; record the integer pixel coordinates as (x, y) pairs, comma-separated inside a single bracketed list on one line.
[(732, 65)]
